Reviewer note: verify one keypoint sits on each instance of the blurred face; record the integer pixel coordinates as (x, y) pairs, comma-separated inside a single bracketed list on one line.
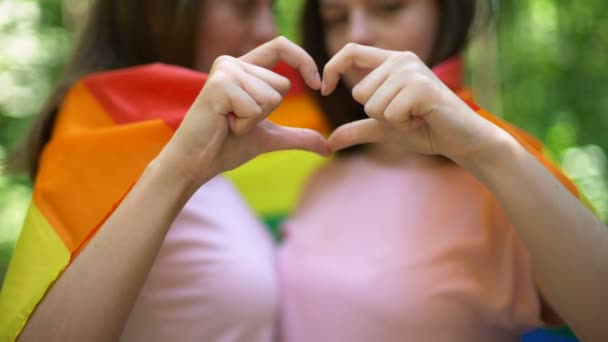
[(232, 27), (402, 25)]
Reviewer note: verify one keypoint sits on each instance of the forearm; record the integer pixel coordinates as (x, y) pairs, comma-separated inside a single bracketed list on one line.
[(93, 297), (568, 245)]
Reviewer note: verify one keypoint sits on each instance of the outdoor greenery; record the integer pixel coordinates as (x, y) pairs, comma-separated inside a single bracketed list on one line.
[(543, 68)]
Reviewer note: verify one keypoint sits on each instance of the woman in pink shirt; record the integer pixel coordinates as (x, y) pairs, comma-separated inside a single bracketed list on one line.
[(182, 258), (179, 260), (391, 243)]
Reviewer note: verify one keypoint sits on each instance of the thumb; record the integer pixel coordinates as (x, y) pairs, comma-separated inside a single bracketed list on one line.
[(356, 133), (275, 138)]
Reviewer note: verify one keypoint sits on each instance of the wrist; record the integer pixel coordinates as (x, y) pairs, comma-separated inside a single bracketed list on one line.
[(171, 170), (494, 153)]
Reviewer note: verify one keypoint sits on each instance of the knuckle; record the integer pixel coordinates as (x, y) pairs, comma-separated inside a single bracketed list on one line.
[(274, 98), (222, 61), (351, 46), (359, 94), (217, 107), (406, 60), (395, 117), (281, 41), (371, 111), (220, 77), (255, 110), (284, 84), (407, 56)]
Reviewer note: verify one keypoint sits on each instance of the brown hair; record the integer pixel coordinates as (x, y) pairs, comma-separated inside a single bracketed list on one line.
[(119, 33), (455, 22)]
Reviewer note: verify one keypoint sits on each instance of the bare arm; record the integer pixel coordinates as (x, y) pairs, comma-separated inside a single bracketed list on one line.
[(568, 244), (92, 299), (225, 127)]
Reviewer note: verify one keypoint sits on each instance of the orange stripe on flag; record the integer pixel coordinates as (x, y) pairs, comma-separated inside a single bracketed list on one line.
[(86, 174), (80, 113), (299, 110)]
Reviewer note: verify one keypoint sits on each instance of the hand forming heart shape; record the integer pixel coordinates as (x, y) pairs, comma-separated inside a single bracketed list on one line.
[(406, 104)]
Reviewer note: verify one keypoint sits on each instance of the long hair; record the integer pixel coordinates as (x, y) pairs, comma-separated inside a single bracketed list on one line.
[(119, 33), (455, 22)]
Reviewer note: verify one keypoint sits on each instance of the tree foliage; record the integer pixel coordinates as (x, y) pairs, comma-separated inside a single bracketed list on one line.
[(552, 81)]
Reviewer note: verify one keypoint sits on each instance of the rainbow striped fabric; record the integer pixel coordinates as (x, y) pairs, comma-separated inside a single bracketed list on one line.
[(111, 125)]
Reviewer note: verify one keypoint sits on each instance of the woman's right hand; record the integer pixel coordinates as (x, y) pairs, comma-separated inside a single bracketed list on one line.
[(408, 105), (227, 126)]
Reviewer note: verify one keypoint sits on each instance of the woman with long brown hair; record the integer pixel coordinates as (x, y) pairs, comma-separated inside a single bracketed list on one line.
[(176, 260), (393, 241)]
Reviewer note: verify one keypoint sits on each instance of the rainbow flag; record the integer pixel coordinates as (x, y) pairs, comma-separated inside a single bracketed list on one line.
[(111, 125)]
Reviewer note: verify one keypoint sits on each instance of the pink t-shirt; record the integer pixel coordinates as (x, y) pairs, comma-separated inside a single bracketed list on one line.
[(214, 278), (387, 253)]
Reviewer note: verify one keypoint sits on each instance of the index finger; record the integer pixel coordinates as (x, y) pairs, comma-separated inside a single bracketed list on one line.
[(351, 55), (269, 54)]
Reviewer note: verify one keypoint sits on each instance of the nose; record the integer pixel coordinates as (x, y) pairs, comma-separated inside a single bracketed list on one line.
[(263, 27), (360, 28)]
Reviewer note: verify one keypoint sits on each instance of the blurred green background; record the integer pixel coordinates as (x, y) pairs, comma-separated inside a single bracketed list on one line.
[(541, 65)]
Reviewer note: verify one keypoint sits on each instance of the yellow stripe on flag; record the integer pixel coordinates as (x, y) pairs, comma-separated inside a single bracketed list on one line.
[(39, 257), (272, 183)]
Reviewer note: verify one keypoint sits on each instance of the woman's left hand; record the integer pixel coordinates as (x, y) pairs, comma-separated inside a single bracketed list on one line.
[(407, 104)]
